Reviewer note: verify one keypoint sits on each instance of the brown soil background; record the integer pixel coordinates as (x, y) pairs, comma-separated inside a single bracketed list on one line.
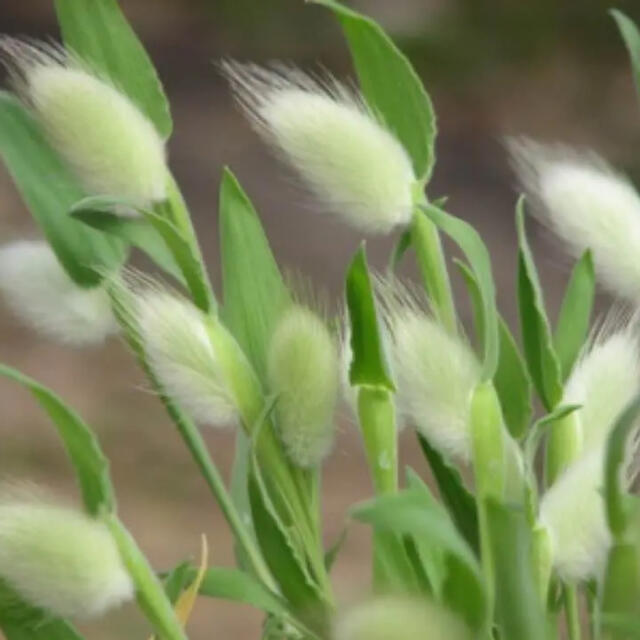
[(560, 91)]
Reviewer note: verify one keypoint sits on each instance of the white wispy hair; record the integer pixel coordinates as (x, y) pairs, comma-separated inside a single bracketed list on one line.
[(393, 617), (303, 373), (436, 372), (573, 511), (109, 144), (180, 352), (325, 131), (60, 559), (605, 379), (589, 206), (43, 296)]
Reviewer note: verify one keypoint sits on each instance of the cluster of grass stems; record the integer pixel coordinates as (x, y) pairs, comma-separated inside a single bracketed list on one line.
[(535, 534)]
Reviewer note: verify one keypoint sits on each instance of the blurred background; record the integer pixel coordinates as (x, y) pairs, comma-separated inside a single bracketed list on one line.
[(551, 69)]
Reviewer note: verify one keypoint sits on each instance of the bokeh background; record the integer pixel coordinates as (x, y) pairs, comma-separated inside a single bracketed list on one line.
[(552, 69)]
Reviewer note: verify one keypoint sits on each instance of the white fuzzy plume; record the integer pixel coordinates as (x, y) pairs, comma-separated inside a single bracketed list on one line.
[(574, 514), (61, 560), (604, 381), (436, 373), (588, 205), (181, 354), (43, 296), (324, 130), (109, 144)]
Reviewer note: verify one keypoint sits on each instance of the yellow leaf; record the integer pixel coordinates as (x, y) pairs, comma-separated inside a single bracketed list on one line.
[(187, 599)]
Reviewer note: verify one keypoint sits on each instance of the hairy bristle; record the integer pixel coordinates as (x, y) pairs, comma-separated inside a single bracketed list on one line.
[(43, 296), (589, 206), (323, 129)]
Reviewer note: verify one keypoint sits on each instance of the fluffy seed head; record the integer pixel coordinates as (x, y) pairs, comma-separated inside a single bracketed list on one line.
[(109, 144), (588, 205), (182, 355), (303, 371), (45, 298), (61, 560), (574, 514), (604, 382), (324, 130), (400, 618), (436, 373)]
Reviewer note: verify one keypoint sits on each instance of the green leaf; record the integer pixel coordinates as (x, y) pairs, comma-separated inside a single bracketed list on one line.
[(458, 500), (98, 213), (254, 292), (98, 32), (541, 358), (631, 36), (468, 239), (414, 512), (149, 592), (90, 464), (49, 191), (22, 621), (618, 516), (178, 579), (575, 314), (391, 86), (231, 584), (513, 384), (518, 610), (331, 554), (369, 364), (278, 551), (621, 584), (186, 257), (511, 379)]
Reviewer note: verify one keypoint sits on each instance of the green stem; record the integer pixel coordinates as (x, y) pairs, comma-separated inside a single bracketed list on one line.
[(489, 468), (193, 439), (433, 268), (376, 413), (572, 612)]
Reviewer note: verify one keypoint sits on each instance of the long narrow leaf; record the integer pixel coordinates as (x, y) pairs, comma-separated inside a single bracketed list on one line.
[(98, 32), (541, 358), (468, 239), (391, 86), (575, 314), (91, 466)]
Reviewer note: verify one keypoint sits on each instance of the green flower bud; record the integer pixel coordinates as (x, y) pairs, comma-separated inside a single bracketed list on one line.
[(399, 618), (109, 144), (61, 560), (303, 372)]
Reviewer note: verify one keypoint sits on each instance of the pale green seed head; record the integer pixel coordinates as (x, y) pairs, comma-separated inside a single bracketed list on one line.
[(604, 382), (109, 144), (303, 371), (589, 206), (43, 296), (573, 512), (182, 355), (436, 373), (61, 560), (400, 618), (349, 160)]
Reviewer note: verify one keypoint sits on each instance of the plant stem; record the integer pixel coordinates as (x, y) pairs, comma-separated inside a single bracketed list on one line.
[(376, 413), (195, 443), (572, 612), (433, 268)]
